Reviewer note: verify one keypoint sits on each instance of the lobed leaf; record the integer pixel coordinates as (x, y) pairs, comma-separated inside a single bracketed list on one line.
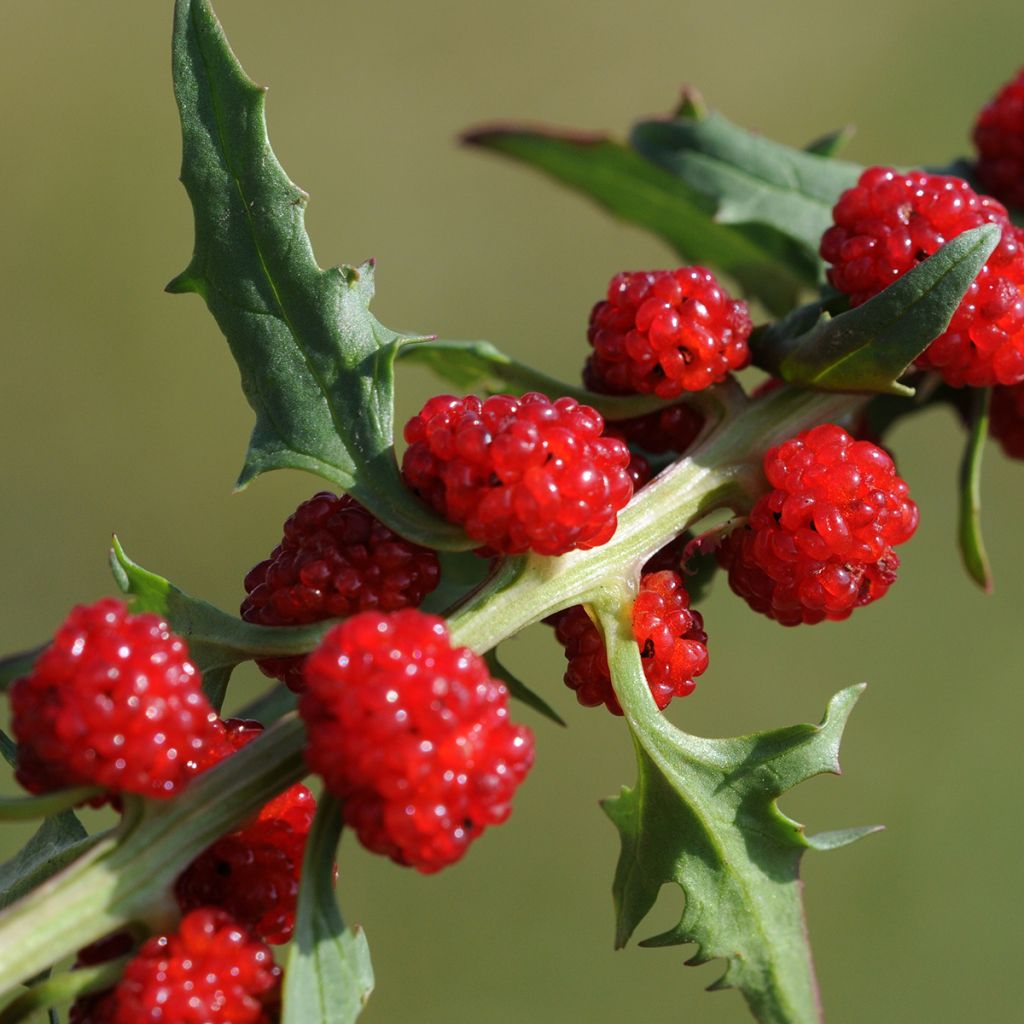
[(316, 366), (328, 977), (703, 814)]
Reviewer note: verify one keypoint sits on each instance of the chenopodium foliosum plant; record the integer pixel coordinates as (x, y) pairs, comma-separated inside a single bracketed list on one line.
[(521, 499)]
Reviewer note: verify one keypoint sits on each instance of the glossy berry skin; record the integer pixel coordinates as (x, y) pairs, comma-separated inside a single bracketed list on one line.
[(519, 474), (666, 332), (820, 543), (1006, 421), (413, 735), (113, 702), (889, 222), (334, 559), (671, 638), (999, 137), (211, 971), (672, 429), (254, 872)]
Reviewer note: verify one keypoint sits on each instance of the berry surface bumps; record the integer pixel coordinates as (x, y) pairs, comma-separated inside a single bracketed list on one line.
[(999, 137)]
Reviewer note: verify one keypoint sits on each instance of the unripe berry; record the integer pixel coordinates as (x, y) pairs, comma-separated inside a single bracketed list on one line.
[(413, 735), (115, 702), (520, 474)]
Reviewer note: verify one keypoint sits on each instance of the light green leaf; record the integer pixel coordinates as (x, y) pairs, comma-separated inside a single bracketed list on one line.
[(328, 978), (752, 180), (703, 814), (216, 641), (316, 366), (869, 348), (631, 187), (972, 544)]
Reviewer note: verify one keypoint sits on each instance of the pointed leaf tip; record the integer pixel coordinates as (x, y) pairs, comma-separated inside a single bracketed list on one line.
[(838, 838)]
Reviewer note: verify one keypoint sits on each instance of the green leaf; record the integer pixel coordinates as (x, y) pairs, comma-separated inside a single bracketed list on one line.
[(316, 366), (625, 184), (63, 988), (832, 143), (56, 842), (16, 665), (869, 348), (703, 814), (216, 641), (752, 181), (481, 366), (972, 546), (328, 977), (520, 691)]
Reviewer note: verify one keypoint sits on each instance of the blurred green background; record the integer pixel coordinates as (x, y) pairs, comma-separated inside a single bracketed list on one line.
[(120, 409)]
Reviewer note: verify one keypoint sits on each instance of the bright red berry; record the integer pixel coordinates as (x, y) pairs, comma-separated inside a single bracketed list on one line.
[(999, 136), (666, 332), (114, 702), (210, 972), (1007, 419), (334, 559), (820, 543), (413, 735), (671, 638), (253, 873), (891, 221), (519, 473)]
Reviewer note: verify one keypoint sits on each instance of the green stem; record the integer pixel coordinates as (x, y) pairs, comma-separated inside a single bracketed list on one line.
[(128, 876), (28, 808)]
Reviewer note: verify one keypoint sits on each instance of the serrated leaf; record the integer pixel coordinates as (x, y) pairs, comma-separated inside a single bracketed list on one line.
[(217, 642), (316, 366), (481, 366), (972, 545), (869, 348), (328, 977), (520, 691), (752, 180), (631, 187), (703, 814)]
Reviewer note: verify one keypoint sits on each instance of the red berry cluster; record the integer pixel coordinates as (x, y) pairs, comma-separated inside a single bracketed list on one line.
[(113, 702), (413, 735), (519, 473), (671, 638), (666, 332), (891, 221), (253, 873), (820, 543), (999, 136), (334, 559), (211, 971)]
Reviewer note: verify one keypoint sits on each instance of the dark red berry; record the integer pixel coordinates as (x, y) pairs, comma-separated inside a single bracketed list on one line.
[(666, 332), (999, 136), (334, 559), (819, 544), (891, 221), (667, 430), (114, 702), (1007, 419), (413, 735), (253, 873), (671, 638), (211, 971), (519, 473)]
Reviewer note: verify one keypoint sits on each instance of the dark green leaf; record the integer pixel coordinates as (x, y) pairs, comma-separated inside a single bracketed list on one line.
[(520, 691), (972, 546), (328, 977), (270, 706), (704, 815), (216, 641), (831, 144), (16, 665), (56, 843), (752, 181), (8, 749), (481, 366), (869, 348), (628, 186), (316, 366)]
